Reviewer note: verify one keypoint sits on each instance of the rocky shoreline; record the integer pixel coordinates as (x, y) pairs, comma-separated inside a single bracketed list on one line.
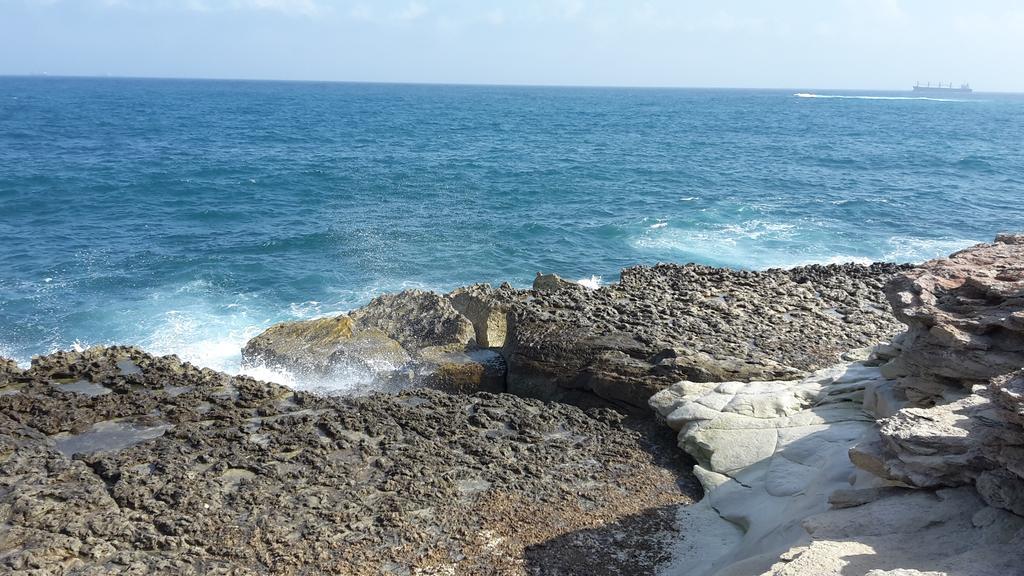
[(504, 431), (118, 462), (611, 347)]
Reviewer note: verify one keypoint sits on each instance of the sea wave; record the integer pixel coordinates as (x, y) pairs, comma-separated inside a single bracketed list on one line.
[(851, 97), (592, 283), (758, 244), (916, 250)]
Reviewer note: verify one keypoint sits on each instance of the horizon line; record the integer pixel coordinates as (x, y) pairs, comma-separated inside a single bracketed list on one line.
[(466, 84)]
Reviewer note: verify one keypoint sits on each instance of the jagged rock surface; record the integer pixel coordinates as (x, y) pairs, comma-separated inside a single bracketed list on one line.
[(113, 461), (961, 369), (622, 343), (965, 313)]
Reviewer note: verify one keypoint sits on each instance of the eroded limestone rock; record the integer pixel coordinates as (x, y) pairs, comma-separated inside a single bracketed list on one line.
[(624, 342), (616, 345), (177, 470), (935, 488), (960, 367), (770, 454), (965, 313)]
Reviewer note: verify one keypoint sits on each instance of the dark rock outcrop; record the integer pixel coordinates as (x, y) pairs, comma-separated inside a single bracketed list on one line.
[(622, 343), (394, 342), (116, 462)]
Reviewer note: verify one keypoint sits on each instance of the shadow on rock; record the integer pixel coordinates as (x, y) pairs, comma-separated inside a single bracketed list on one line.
[(635, 544)]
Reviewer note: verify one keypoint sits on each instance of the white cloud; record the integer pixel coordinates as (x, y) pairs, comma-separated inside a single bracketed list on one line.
[(412, 11), (296, 7), (572, 8), (496, 17)]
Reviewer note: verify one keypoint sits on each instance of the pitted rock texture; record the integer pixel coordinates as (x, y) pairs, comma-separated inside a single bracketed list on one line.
[(614, 346), (622, 343), (116, 462)]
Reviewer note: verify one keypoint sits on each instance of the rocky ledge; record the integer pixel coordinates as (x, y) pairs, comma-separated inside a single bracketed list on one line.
[(614, 346), (907, 460), (113, 461)]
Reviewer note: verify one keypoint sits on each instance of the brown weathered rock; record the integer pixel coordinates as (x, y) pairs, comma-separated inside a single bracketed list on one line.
[(551, 283), (620, 344), (395, 341), (487, 310), (417, 319), (959, 367), (965, 313), (9, 371), (323, 345)]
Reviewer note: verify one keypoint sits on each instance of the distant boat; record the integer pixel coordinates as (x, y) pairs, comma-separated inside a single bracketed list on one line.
[(941, 88)]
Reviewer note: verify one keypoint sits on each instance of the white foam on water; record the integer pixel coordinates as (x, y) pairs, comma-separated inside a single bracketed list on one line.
[(592, 283), (827, 260), (208, 328), (917, 250), (850, 97), (658, 224), (758, 244), (6, 351), (271, 374), (202, 336)]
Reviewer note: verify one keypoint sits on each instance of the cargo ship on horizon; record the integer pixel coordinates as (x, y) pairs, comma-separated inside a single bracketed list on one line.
[(941, 88)]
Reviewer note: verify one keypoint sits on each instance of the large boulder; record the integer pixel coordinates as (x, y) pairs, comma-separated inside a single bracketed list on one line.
[(323, 345), (417, 319), (395, 341)]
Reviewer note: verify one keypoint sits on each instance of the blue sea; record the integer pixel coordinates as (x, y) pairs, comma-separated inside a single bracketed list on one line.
[(186, 216)]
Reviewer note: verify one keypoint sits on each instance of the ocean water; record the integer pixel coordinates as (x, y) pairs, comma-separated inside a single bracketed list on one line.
[(187, 216)]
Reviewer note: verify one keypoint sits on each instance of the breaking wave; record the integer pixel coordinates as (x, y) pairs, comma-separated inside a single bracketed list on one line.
[(759, 244), (851, 97)]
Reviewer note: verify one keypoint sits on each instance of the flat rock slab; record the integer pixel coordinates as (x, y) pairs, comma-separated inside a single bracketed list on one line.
[(188, 471)]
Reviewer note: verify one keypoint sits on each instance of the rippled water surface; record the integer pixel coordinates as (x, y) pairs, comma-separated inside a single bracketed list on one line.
[(186, 216)]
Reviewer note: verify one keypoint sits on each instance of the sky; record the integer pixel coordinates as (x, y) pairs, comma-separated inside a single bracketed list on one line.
[(846, 44)]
